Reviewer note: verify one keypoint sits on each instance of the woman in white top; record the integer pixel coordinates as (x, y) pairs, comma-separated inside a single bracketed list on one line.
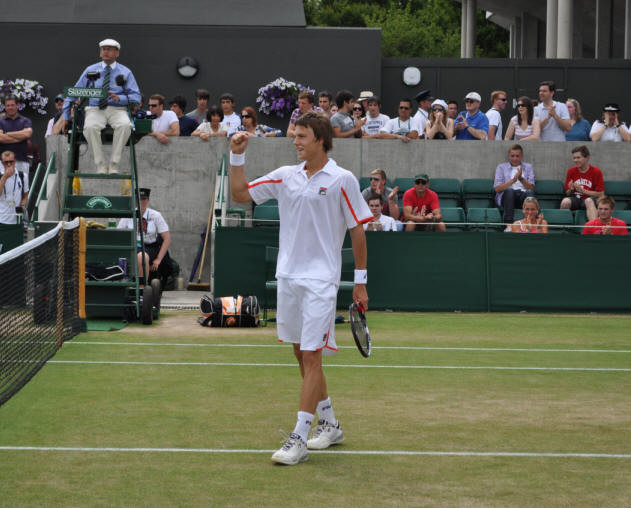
[(212, 126), (610, 128), (439, 125), (523, 126)]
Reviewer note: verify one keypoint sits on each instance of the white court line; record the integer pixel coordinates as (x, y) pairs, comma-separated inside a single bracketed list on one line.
[(243, 364), (413, 348), (324, 452)]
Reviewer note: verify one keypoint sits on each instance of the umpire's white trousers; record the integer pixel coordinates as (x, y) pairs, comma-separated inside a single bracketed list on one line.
[(95, 121)]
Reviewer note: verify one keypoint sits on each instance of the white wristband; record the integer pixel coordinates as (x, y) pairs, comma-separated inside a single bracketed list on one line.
[(237, 159), (361, 276)]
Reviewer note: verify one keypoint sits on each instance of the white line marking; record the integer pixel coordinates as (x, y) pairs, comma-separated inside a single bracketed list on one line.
[(418, 348), (325, 452), (243, 364)]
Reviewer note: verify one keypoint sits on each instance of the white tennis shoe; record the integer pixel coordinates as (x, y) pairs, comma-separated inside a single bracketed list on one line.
[(325, 435), (292, 452)]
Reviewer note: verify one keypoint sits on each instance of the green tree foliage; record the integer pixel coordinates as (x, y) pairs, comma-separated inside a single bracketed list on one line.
[(410, 28)]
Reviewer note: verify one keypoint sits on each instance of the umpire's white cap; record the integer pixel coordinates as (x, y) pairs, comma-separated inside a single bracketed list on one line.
[(109, 42)]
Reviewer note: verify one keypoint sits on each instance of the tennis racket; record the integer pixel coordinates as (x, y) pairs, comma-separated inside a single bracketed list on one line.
[(360, 329)]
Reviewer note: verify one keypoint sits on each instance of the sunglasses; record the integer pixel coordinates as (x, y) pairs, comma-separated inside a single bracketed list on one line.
[(375, 178), (468, 101), (246, 116), (521, 105), (438, 109), (153, 105), (404, 107), (417, 182), (12, 161), (358, 109), (503, 100)]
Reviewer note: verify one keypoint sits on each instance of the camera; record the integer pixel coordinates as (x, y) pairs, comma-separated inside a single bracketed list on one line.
[(140, 115)]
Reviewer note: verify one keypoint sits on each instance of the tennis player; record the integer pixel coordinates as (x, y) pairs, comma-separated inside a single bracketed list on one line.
[(317, 202)]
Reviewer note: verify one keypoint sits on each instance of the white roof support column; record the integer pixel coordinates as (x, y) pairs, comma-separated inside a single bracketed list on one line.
[(463, 28), (471, 12), (551, 28), (565, 30)]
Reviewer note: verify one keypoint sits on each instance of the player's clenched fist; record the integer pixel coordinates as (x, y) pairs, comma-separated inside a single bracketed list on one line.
[(239, 142)]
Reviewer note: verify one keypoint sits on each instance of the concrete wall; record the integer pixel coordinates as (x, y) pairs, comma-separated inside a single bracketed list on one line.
[(181, 174)]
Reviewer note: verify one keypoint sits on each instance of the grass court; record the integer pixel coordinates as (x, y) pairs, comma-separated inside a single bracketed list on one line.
[(450, 410)]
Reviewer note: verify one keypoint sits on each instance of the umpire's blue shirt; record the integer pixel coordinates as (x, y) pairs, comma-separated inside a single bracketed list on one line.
[(127, 93)]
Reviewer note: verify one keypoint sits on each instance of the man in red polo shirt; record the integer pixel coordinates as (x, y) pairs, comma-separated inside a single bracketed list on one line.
[(421, 209), (584, 184), (605, 224)]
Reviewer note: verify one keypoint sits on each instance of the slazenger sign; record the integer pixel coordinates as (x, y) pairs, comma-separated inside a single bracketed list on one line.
[(99, 202), (91, 93)]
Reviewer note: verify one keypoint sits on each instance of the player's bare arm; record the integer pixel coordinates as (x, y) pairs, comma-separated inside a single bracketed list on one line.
[(238, 182), (358, 239)]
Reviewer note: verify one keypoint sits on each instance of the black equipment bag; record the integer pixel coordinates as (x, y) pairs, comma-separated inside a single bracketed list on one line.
[(229, 311)]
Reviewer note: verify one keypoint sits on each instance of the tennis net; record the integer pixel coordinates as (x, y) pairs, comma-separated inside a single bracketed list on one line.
[(41, 302)]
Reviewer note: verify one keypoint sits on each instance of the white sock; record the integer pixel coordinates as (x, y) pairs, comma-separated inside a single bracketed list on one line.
[(303, 425), (325, 411)]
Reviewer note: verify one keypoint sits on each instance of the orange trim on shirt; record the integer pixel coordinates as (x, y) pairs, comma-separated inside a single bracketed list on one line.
[(348, 202), (250, 185)]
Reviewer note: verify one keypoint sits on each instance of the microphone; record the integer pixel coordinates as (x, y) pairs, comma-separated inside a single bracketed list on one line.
[(121, 81), (93, 75)]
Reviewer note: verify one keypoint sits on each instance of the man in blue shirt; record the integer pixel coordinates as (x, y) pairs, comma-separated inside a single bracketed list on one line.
[(122, 90), (187, 123), (472, 123)]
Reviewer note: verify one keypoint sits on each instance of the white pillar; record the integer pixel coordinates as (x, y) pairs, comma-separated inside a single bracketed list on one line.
[(565, 30), (551, 28), (471, 12), (463, 28), (627, 27)]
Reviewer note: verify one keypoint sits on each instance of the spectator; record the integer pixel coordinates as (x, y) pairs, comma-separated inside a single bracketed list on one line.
[(34, 157), (254, 130), (157, 240), (187, 124), (524, 126), (231, 120), (212, 127), (363, 97), (111, 110), (472, 123), (166, 123), (533, 221), (375, 119), (380, 222), (610, 128), (378, 186), (421, 208), (358, 111), (424, 99), (403, 127), (344, 126), (57, 117), (605, 224), (553, 116), (452, 109), (580, 128), (333, 109), (439, 125), (306, 102), (514, 182), (583, 184), (12, 193), (325, 101), (498, 101), (15, 131), (199, 113)]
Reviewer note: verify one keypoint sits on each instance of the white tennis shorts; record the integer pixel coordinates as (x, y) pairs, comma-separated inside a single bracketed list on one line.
[(305, 314)]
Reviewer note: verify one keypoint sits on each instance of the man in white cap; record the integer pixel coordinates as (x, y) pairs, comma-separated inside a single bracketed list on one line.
[(122, 90), (472, 123)]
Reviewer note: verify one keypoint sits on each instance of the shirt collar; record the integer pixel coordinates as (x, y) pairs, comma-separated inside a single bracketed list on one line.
[(112, 66), (327, 168)]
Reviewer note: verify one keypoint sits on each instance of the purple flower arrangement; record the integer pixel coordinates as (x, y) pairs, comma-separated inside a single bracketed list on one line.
[(280, 97), (29, 94)]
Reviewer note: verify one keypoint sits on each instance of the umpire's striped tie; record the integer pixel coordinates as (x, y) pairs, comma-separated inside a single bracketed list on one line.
[(106, 87)]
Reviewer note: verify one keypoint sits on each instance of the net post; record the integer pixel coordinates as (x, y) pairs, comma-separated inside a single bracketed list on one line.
[(59, 324), (81, 266)]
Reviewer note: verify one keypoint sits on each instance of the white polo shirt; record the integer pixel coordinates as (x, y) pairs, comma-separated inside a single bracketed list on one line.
[(398, 126), (163, 124), (153, 224), (10, 197), (314, 216)]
